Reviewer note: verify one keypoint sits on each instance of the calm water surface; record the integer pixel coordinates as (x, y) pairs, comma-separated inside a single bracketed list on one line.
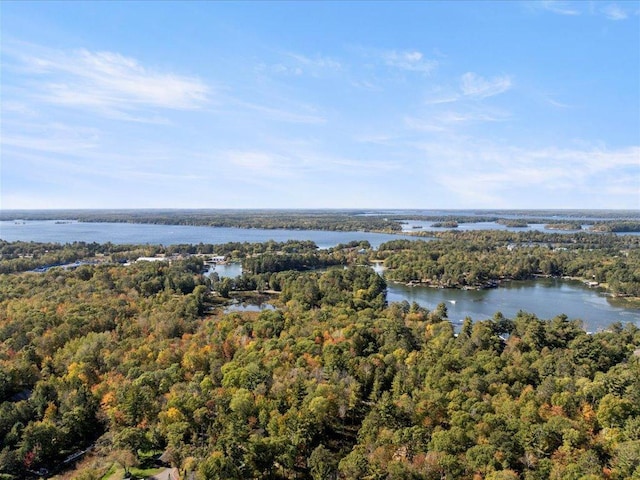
[(248, 307), (544, 297), (421, 226), (135, 233), (230, 270)]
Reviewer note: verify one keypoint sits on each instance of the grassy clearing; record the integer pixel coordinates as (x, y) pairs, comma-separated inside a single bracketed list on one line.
[(117, 473)]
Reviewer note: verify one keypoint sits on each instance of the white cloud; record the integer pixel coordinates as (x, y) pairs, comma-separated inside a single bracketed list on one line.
[(411, 60), (260, 162), (378, 139), (437, 100), (440, 120), (296, 64), (318, 62), (51, 137), (366, 85), (18, 108), (611, 11), (418, 124), (281, 69), (298, 116), (480, 172), (614, 12), (473, 85), (457, 117), (107, 82), (556, 104), (560, 7)]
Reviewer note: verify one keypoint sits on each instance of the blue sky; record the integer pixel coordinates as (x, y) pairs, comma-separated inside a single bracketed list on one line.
[(320, 105)]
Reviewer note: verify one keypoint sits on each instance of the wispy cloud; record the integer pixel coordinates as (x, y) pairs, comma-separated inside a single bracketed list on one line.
[(366, 85), (458, 117), (490, 174), (473, 85), (560, 7), (611, 11), (410, 60), (264, 164), (470, 86), (556, 103), (53, 137), (297, 64), (422, 125), (299, 115), (317, 62), (440, 99), (106, 82), (378, 139), (281, 69), (614, 12), (450, 120)]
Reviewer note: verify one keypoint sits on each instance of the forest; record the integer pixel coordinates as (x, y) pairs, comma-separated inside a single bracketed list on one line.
[(106, 364)]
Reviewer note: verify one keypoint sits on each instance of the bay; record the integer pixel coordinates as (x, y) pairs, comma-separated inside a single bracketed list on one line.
[(545, 297), (136, 233), (422, 226)]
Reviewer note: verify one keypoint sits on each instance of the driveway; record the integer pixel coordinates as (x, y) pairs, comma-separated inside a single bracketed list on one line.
[(167, 474)]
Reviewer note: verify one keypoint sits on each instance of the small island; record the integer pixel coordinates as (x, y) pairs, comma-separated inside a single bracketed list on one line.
[(512, 223), (564, 226), (447, 224)]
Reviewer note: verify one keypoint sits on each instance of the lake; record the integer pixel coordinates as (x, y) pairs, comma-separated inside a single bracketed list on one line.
[(136, 233), (422, 226), (546, 297)]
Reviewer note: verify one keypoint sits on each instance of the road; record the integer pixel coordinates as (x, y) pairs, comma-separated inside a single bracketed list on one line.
[(167, 474)]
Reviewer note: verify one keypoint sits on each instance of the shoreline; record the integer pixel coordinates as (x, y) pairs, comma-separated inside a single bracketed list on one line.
[(490, 284)]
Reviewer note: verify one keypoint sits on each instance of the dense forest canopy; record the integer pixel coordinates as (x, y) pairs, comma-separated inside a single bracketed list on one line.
[(139, 358)]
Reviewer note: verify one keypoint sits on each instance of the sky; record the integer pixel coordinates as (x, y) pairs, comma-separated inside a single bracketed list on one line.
[(363, 105)]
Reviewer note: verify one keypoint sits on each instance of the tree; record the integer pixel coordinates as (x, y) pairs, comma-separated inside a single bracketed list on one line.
[(131, 439), (217, 466), (322, 464), (126, 459)]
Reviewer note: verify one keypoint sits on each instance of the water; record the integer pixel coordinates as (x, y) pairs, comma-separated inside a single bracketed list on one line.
[(546, 298), (134, 233), (422, 226), (229, 270), (555, 215), (248, 307)]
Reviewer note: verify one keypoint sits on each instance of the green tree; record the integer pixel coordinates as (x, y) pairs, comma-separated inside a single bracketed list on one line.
[(322, 464)]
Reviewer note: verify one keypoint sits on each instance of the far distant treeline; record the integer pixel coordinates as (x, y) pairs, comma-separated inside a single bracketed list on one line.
[(331, 220), (454, 259), (339, 220)]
